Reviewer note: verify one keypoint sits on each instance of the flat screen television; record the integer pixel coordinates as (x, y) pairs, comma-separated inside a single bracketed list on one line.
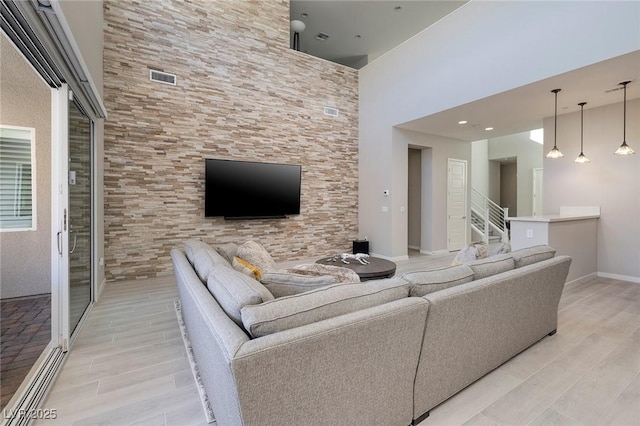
[(251, 190)]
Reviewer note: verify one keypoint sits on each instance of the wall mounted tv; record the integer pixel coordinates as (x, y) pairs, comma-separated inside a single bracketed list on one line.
[(251, 190)]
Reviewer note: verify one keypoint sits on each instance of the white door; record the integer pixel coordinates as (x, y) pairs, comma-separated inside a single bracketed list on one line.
[(537, 192), (457, 225)]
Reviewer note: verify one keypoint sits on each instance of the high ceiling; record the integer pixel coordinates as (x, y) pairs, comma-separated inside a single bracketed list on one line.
[(382, 27)]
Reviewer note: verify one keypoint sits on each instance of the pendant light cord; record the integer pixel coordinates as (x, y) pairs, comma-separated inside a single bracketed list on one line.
[(624, 114)]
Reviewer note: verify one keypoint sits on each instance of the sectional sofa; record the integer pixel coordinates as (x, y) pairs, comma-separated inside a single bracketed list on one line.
[(384, 352)]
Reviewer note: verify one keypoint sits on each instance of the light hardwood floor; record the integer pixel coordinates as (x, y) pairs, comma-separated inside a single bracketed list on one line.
[(129, 366)]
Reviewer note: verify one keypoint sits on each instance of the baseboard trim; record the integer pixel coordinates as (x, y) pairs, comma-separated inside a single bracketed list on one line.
[(393, 259), (414, 247), (583, 279), (619, 277), (100, 289), (431, 253)]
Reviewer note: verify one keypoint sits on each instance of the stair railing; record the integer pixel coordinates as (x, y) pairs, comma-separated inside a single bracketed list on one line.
[(493, 217)]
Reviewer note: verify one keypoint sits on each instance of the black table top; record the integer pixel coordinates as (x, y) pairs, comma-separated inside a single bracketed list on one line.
[(377, 267)]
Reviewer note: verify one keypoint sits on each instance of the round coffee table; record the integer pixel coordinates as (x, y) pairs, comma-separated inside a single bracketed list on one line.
[(376, 269)]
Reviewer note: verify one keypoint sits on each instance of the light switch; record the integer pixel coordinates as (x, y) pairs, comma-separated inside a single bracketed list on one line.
[(385, 209), (529, 233)]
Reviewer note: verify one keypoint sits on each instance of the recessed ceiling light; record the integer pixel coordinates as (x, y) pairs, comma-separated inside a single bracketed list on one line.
[(488, 128), (304, 15), (462, 122), (358, 36), (397, 8)]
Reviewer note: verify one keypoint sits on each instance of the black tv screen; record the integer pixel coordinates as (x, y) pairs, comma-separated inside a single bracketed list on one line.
[(251, 190)]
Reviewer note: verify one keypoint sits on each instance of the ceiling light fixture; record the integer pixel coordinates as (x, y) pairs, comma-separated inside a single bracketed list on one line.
[(624, 149), (462, 122), (582, 158), (297, 27), (488, 128), (555, 152), (397, 8), (358, 36)]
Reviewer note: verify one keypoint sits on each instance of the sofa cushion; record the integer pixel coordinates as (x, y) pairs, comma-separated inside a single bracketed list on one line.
[(529, 255), (316, 305), (491, 266), (425, 282), (233, 290), (256, 255), (286, 282), (203, 257)]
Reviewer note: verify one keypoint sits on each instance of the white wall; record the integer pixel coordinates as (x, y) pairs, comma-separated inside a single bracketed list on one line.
[(528, 155), (480, 170), (481, 49), (609, 181)]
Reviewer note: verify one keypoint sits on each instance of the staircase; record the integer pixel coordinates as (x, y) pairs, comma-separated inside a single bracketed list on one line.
[(488, 218)]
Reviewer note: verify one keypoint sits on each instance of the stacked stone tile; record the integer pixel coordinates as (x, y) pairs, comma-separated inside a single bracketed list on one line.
[(241, 94)]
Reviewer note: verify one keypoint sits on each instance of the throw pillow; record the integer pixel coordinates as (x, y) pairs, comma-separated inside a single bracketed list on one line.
[(246, 268), (474, 251), (286, 283), (425, 282), (502, 249), (317, 305), (256, 255)]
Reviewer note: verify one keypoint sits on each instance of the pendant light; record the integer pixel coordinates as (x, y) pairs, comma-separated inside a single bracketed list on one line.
[(624, 149), (555, 152), (582, 158)]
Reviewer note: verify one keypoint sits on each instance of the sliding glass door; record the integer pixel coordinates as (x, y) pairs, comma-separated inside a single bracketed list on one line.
[(80, 184)]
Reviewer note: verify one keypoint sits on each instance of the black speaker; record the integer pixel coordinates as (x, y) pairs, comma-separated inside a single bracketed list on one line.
[(361, 246)]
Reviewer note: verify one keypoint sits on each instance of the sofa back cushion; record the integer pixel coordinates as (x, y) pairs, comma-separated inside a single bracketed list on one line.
[(316, 305), (491, 266), (286, 283), (234, 290), (425, 282), (203, 257), (530, 255)]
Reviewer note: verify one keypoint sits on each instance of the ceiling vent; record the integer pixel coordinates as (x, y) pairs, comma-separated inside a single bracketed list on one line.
[(162, 77), (322, 36)]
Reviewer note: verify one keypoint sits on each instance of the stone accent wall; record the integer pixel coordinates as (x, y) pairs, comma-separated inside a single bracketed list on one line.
[(241, 94)]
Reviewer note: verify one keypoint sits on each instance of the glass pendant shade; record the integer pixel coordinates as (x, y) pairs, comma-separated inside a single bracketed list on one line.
[(555, 152), (624, 149), (582, 158)]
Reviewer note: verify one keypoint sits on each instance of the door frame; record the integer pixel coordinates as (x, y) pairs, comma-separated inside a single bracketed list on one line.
[(466, 201)]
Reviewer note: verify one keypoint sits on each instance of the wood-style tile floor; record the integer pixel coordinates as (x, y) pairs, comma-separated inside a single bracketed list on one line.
[(129, 367)]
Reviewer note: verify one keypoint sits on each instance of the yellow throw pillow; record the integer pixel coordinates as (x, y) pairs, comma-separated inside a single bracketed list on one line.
[(239, 264)]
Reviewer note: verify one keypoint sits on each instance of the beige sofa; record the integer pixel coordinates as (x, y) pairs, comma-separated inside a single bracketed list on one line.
[(383, 352)]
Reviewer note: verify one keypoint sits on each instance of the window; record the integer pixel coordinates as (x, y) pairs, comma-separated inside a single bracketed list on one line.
[(17, 178)]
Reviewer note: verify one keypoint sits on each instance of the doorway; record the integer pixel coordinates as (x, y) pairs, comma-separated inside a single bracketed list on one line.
[(537, 192), (457, 226)]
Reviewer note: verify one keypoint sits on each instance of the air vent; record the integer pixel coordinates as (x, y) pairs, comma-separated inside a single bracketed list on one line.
[(333, 112), (322, 36), (162, 77)]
